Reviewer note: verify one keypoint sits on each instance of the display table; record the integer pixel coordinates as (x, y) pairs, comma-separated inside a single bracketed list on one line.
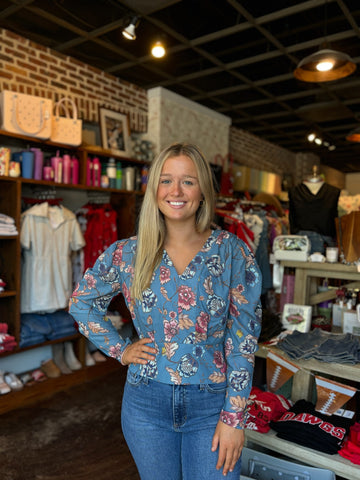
[(339, 465), (302, 389)]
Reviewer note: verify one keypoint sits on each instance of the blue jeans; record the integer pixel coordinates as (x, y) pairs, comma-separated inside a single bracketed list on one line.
[(169, 429)]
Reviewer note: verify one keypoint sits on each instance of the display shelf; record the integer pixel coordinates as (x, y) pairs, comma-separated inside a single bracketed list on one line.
[(12, 190), (307, 273), (339, 465), (42, 390)]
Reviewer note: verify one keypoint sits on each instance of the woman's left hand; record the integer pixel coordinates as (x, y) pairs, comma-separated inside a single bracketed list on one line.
[(230, 441)]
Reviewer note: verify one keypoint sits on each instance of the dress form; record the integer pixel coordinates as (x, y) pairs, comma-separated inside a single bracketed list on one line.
[(314, 182)]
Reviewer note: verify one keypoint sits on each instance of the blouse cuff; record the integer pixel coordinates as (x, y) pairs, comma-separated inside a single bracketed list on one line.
[(234, 419)]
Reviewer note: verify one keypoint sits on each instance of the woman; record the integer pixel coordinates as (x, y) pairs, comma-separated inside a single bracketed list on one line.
[(193, 293)]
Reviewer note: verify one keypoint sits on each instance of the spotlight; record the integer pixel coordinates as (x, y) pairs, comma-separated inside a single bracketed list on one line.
[(318, 141), (311, 137), (129, 31), (158, 49)]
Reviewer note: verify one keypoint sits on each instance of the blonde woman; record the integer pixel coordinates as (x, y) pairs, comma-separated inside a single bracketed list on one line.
[(193, 293)]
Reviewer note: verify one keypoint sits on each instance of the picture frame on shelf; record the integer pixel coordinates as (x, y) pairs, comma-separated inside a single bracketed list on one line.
[(297, 317), (115, 131)]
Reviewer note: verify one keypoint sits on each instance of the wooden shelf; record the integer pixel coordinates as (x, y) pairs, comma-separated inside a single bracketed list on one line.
[(12, 191), (42, 390)]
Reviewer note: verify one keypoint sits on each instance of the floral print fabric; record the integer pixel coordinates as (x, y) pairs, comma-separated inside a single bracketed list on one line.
[(203, 323)]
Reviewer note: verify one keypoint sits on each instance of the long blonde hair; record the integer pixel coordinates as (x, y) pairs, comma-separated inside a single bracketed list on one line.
[(151, 227)]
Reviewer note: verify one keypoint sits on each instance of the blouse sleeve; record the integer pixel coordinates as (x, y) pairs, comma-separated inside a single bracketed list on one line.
[(91, 298), (241, 334)]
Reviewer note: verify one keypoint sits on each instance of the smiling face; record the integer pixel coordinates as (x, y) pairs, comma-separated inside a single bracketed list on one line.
[(178, 193)]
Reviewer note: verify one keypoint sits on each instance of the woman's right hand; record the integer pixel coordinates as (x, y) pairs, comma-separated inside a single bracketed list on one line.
[(138, 352)]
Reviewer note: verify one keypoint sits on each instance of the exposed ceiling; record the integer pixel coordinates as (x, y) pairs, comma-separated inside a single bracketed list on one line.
[(234, 56)]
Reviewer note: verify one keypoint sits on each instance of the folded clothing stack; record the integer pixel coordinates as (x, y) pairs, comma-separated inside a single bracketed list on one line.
[(7, 342), (322, 345), (265, 407), (351, 448), (303, 425), (7, 225), (40, 327)]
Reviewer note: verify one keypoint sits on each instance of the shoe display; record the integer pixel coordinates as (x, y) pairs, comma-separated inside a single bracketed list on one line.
[(38, 375), (13, 381), (27, 379), (50, 369), (58, 358), (4, 387), (70, 358), (98, 357)]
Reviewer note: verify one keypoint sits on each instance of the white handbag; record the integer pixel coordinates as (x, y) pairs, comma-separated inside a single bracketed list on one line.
[(66, 130), (25, 114)]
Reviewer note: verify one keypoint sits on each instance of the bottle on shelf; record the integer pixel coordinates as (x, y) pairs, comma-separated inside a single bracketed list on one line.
[(66, 169), (96, 172), (89, 171), (74, 170), (104, 177), (38, 163), (119, 176), (57, 164), (111, 172)]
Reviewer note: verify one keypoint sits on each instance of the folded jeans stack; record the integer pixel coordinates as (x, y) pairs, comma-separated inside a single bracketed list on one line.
[(40, 327), (322, 345)]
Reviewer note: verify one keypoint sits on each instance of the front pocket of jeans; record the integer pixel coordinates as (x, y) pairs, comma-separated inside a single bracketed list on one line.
[(216, 388), (134, 379)]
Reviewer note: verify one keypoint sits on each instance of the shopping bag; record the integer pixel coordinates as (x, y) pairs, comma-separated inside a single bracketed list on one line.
[(348, 236), (226, 183), (25, 114), (66, 129)]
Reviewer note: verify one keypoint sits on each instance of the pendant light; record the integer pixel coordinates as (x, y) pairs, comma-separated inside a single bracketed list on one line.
[(158, 49), (324, 66), (354, 135)]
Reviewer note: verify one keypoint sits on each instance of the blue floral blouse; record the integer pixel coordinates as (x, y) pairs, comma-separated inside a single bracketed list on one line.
[(203, 323)]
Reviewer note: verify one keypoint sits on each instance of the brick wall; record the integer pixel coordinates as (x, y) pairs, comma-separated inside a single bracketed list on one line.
[(252, 151), (27, 67)]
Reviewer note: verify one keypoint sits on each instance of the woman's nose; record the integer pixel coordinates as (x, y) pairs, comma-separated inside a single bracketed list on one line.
[(176, 188)]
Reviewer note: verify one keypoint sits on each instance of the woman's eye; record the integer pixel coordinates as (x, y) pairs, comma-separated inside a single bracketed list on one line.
[(164, 181), (188, 182)]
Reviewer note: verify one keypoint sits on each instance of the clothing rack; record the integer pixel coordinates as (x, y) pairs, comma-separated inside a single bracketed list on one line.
[(42, 194), (98, 198)]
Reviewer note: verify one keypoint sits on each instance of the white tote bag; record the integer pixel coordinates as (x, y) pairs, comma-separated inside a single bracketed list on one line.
[(25, 114), (68, 129)]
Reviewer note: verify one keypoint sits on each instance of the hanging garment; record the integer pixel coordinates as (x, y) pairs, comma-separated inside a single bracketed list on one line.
[(313, 212), (100, 230), (48, 236)]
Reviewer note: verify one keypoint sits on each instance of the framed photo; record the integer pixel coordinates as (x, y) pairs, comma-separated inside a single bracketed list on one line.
[(114, 128), (297, 317)]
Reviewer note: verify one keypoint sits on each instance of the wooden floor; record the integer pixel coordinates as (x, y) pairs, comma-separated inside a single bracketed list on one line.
[(74, 435)]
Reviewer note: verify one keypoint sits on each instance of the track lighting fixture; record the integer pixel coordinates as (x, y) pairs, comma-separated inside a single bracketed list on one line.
[(324, 66), (129, 31), (314, 138), (158, 49)]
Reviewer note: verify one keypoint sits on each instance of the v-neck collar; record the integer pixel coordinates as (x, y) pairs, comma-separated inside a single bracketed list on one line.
[(197, 258)]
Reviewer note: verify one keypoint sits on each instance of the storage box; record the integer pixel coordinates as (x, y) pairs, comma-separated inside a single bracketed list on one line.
[(261, 466), (291, 247)]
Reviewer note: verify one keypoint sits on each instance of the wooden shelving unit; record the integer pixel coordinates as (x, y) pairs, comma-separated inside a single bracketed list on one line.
[(126, 204)]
